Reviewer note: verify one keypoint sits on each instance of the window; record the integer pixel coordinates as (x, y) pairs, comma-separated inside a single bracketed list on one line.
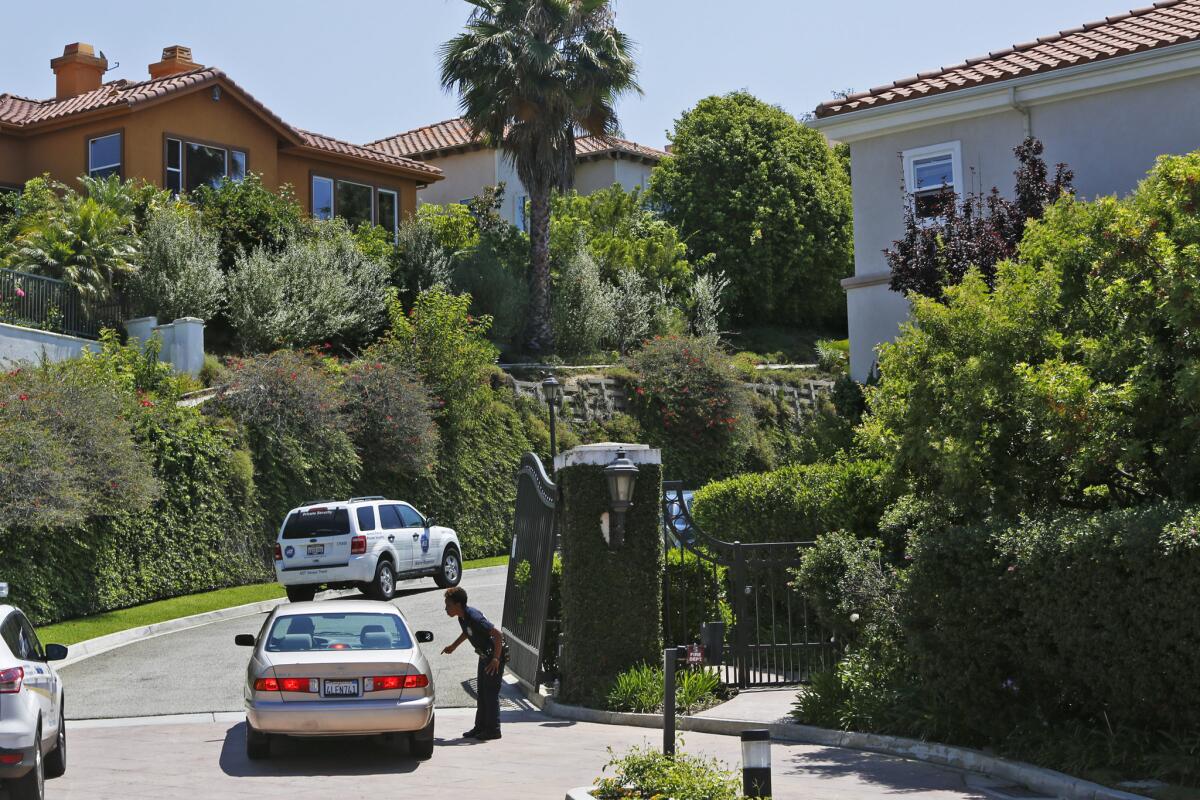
[(104, 156), (322, 198), (29, 641), (388, 206), (931, 172), (522, 218), (389, 517), (191, 165), (366, 518), (353, 203), (411, 518), (317, 522), (338, 631)]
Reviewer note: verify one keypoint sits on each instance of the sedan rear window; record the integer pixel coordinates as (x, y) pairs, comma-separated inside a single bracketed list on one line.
[(307, 632), (317, 522)]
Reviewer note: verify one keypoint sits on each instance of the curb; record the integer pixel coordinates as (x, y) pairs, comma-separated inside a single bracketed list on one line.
[(582, 793), (1040, 779)]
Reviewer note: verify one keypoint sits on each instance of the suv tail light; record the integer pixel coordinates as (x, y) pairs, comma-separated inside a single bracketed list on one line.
[(358, 546), (11, 680), (388, 683), (308, 685), (278, 552)]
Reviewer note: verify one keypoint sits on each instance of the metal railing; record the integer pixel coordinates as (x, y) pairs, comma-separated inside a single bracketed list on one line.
[(48, 304)]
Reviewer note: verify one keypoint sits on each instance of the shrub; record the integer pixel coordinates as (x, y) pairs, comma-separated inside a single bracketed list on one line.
[(639, 689), (421, 261), (702, 586), (833, 356), (690, 403), (495, 290), (633, 308), (388, 415), (707, 306), (248, 216), (846, 584), (311, 291), (582, 311), (696, 690), (180, 273), (647, 773), (795, 503)]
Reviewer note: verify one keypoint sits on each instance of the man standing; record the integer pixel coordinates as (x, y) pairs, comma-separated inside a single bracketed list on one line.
[(489, 645)]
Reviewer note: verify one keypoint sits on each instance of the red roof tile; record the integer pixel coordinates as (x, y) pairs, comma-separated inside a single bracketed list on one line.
[(453, 134), (319, 142), (1164, 24)]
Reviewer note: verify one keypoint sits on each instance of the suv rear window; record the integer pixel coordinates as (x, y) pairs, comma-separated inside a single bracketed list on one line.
[(317, 522)]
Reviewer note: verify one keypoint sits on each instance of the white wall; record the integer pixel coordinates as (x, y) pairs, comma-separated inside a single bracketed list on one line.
[(465, 175), (1110, 140), (28, 345)]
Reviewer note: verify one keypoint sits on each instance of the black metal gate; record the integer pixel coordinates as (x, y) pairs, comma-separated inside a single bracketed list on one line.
[(527, 595), (771, 639)]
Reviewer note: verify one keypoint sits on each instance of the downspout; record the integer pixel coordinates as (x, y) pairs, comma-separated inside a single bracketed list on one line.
[(1023, 110)]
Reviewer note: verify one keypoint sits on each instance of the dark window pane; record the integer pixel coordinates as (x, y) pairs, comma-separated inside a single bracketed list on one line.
[(174, 181), (933, 173), (389, 518), (205, 165), (322, 198), (174, 156), (411, 518), (104, 173), (387, 211), (237, 165), (366, 518), (353, 202), (103, 154), (317, 522)]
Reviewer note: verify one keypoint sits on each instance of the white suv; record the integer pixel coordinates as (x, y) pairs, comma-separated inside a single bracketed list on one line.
[(364, 542), (33, 736)]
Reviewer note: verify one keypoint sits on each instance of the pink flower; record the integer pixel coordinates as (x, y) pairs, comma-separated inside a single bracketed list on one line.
[(20, 292)]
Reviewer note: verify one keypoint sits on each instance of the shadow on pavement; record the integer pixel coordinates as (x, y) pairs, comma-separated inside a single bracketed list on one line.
[(290, 757), (897, 774)]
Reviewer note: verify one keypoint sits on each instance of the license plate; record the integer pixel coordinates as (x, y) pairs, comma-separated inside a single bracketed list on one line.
[(341, 688), (316, 549)]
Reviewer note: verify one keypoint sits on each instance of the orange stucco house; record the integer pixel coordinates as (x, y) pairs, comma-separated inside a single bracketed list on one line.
[(190, 125)]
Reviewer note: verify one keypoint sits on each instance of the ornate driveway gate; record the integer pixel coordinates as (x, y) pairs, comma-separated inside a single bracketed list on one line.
[(772, 640), (527, 595)]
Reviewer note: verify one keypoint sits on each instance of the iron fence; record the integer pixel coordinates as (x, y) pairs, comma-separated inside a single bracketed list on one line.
[(48, 304)]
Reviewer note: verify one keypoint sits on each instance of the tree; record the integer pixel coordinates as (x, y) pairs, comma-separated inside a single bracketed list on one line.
[(530, 75), (768, 200), (181, 266), (247, 215), (980, 231)]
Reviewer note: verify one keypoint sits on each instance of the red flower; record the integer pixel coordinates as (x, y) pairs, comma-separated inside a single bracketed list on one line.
[(22, 397), (293, 376), (641, 392), (147, 404)]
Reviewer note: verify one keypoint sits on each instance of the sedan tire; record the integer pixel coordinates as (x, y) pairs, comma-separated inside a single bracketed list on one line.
[(258, 744), (421, 742)]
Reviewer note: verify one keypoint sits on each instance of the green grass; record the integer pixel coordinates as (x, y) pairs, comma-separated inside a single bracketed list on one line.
[(78, 630)]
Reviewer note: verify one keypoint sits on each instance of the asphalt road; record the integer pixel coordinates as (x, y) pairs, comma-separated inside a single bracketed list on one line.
[(201, 669)]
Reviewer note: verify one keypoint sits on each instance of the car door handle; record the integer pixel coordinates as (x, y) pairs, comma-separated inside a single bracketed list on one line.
[(391, 538), (416, 536)]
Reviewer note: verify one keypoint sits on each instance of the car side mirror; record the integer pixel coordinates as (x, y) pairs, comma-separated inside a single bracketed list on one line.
[(424, 637), (430, 522), (244, 640), (56, 652)]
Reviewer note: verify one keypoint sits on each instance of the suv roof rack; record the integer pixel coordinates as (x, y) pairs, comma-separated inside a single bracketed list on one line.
[(368, 497), (315, 502)]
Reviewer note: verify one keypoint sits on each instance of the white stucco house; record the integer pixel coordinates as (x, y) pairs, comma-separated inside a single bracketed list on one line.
[(469, 166), (1106, 98)]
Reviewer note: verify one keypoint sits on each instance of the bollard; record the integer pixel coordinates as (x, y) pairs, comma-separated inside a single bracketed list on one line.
[(756, 763), (671, 657)]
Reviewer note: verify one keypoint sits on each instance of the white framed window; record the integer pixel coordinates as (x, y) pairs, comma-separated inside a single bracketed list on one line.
[(190, 165), (104, 156), (322, 198), (929, 172), (387, 206)]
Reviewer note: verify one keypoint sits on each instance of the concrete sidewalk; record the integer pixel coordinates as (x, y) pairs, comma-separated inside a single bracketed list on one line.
[(539, 757), (768, 706)]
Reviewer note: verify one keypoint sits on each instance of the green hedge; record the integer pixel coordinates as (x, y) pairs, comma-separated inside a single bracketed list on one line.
[(1071, 619), (796, 503), (200, 534), (705, 586)]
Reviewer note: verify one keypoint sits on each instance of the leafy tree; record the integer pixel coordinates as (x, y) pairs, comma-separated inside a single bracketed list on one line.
[(181, 266), (248, 216), (529, 75), (980, 231), (582, 312), (389, 415), (421, 260), (621, 233), (767, 199)]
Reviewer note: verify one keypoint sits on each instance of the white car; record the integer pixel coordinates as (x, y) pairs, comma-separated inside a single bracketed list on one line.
[(33, 736), (363, 542)]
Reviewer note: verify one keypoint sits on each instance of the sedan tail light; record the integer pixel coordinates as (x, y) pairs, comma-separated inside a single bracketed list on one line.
[(307, 685), (388, 683), (358, 546), (11, 680), (278, 552)]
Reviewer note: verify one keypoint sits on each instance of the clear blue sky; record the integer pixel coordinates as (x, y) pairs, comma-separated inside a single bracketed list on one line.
[(363, 70)]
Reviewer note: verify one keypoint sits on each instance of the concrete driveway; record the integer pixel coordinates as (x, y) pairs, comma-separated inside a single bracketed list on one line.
[(538, 757), (201, 669)]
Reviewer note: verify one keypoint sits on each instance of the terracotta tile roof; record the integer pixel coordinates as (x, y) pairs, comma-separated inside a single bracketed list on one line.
[(453, 134), (1164, 24), (329, 144)]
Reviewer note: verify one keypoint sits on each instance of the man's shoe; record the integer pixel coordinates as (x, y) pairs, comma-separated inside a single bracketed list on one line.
[(472, 734), (487, 736)]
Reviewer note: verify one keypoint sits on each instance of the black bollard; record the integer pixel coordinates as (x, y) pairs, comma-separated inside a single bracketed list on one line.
[(756, 763)]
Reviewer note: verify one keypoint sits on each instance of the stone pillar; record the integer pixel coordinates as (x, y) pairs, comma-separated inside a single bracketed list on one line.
[(611, 599), (140, 329), (187, 355)]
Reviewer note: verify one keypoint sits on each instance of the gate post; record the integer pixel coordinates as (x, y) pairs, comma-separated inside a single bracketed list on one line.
[(611, 598), (740, 616)]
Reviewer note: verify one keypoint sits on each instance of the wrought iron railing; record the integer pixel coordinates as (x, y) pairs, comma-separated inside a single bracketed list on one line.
[(35, 301)]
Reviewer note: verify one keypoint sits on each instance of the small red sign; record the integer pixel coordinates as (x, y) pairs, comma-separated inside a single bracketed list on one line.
[(695, 655)]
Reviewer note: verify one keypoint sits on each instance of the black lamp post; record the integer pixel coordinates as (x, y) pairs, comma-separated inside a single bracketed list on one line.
[(551, 391), (621, 475)]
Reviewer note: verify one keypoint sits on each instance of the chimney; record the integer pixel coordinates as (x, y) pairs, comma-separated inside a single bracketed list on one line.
[(175, 58), (77, 70)]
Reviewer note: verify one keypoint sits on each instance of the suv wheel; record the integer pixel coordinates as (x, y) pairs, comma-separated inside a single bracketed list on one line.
[(31, 785), (56, 762), (384, 585), (301, 594), (450, 573)]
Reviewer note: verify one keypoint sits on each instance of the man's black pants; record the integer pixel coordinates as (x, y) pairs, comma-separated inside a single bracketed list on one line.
[(487, 710)]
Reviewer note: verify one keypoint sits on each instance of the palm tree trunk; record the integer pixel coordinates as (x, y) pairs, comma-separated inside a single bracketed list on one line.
[(539, 335)]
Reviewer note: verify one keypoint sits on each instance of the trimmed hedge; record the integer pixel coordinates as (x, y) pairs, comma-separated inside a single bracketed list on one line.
[(796, 503), (611, 599), (1075, 618), (705, 586)]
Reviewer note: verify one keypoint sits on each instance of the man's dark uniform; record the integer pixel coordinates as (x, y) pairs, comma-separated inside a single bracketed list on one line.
[(479, 633)]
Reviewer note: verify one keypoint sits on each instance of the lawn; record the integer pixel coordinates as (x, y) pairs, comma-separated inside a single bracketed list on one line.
[(78, 630)]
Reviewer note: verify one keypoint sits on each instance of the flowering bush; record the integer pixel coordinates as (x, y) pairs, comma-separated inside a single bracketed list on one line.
[(389, 416)]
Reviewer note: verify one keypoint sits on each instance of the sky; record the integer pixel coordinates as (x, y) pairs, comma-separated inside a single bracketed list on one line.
[(361, 71)]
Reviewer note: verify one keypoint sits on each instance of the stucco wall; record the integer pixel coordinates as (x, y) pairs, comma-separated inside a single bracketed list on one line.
[(1109, 139), (297, 169), (466, 174), (12, 161), (26, 344)]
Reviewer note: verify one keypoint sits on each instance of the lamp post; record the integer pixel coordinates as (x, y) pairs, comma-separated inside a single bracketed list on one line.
[(621, 475), (756, 763), (551, 392)]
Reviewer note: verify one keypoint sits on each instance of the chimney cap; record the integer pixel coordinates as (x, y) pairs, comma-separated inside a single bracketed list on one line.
[(177, 52), (79, 52)]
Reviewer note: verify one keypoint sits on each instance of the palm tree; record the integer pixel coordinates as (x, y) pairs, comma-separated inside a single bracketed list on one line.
[(531, 75)]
